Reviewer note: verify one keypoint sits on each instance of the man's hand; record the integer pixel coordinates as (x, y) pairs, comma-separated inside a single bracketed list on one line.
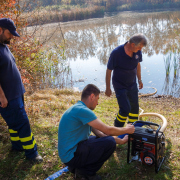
[(140, 84), (121, 141), (130, 129), (108, 92), (3, 102), (3, 99), (125, 139)]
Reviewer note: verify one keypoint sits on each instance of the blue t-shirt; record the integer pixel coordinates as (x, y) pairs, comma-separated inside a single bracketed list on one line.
[(124, 67), (73, 128), (10, 78)]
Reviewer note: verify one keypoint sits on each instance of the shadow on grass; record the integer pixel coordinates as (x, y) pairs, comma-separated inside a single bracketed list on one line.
[(13, 165)]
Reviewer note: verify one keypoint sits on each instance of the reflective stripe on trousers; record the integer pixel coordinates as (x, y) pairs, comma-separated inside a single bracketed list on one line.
[(128, 105), (21, 136)]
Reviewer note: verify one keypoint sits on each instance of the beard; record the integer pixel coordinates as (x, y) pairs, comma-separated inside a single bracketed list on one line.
[(4, 40)]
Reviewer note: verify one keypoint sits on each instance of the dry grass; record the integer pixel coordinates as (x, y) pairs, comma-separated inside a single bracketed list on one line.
[(43, 16)]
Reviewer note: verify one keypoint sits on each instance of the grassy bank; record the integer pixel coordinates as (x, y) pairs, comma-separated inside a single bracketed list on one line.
[(73, 12), (147, 6), (52, 14), (45, 108)]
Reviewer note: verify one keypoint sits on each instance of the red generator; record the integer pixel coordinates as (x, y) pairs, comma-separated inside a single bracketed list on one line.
[(146, 145)]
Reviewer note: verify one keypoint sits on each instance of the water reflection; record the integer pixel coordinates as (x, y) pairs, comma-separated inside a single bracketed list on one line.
[(171, 83), (88, 39), (95, 39)]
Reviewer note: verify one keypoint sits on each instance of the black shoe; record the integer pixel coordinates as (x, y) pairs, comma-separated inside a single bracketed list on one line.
[(79, 174), (71, 169), (37, 159), (95, 177)]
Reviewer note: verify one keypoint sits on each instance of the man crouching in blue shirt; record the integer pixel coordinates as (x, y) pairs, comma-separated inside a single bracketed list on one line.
[(84, 154)]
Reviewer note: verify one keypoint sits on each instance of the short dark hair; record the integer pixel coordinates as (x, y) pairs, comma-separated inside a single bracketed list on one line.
[(138, 38), (88, 90)]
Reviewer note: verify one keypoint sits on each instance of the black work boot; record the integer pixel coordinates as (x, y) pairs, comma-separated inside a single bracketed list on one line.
[(79, 174), (95, 177), (71, 169), (37, 159)]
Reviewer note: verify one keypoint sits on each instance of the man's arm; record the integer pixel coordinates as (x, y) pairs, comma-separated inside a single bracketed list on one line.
[(3, 100), (139, 76), (108, 91), (98, 133), (118, 140), (111, 130)]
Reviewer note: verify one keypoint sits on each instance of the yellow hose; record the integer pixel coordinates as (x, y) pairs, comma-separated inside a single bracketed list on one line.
[(149, 94), (141, 114)]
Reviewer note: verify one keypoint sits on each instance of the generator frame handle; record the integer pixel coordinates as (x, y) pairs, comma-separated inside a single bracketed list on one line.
[(156, 142), (148, 123)]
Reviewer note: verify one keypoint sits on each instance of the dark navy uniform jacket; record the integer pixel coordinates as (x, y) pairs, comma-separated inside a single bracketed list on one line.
[(124, 67), (10, 78)]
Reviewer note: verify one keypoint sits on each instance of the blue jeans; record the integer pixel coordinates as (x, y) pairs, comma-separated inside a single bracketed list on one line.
[(128, 105), (21, 136), (92, 153)]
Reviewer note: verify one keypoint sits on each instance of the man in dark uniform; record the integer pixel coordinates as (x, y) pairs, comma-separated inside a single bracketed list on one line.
[(11, 96), (125, 61)]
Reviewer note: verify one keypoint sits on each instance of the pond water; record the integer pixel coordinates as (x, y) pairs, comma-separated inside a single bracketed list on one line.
[(90, 42)]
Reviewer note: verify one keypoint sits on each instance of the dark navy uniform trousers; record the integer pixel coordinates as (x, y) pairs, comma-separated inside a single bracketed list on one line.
[(92, 153), (21, 136), (128, 106)]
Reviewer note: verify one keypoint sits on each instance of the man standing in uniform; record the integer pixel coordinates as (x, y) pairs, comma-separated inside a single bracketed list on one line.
[(11, 96), (84, 154), (125, 61)]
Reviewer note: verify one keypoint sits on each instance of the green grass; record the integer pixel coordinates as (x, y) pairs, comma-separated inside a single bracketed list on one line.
[(45, 109)]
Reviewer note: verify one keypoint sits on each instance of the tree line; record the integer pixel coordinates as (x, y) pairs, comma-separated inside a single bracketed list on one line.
[(26, 49)]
